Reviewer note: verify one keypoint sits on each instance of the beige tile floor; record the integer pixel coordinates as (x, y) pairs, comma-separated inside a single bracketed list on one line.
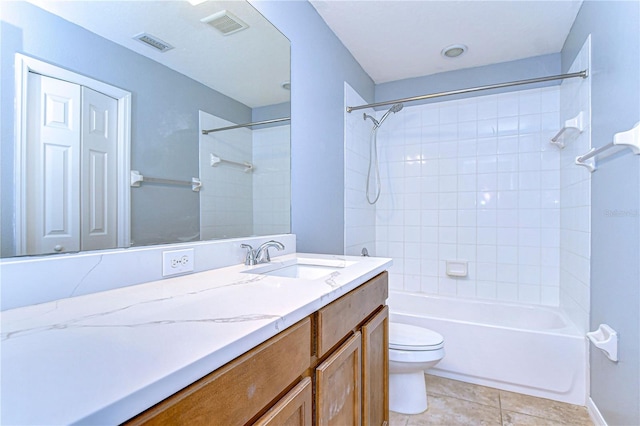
[(457, 403)]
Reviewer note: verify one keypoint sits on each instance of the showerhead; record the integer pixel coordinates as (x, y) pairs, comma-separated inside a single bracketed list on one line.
[(395, 108)]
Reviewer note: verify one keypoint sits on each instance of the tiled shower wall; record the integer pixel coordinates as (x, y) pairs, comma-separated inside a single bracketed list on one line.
[(360, 229), (478, 180), (575, 193), (272, 180), (474, 180), (226, 196), (253, 202)]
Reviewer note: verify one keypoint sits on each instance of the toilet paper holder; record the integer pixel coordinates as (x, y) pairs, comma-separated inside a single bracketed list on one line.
[(605, 338)]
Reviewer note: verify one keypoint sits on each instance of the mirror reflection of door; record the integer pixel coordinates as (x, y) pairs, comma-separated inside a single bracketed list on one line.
[(71, 201)]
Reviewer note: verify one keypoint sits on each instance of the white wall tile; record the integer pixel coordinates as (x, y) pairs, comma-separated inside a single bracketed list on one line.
[(477, 179), (507, 273), (509, 144), (507, 292), (360, 217), (574, 199), (430, 115), (529, 102), (468, 111), (467, 130), (529, 293), (448, 114), (487, 128), (507, 126), (486, 290), (487, 107), (508, 104)]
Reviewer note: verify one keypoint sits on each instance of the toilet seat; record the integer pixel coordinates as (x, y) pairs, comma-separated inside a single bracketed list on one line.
[(405, 337)]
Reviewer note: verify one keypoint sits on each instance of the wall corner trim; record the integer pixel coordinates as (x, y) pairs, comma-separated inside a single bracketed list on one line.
[(595, 414)]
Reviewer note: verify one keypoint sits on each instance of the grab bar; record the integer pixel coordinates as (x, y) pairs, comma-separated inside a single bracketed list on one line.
[(137, 179), (215, 160)]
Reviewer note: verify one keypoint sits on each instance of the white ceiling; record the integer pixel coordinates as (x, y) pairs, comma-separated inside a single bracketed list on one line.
[(394, 40), (391, 39), (249, 66)]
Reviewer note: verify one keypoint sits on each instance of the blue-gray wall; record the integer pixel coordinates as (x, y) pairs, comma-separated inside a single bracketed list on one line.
[(164, 116), (320, 64), (523, 69), (615, 250)]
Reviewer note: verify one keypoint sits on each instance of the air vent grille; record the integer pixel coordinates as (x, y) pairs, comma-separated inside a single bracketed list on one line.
[(225, 22), (153, 41)]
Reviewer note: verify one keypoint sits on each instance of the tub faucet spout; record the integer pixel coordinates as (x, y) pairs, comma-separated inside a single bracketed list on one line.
[(262, 252)]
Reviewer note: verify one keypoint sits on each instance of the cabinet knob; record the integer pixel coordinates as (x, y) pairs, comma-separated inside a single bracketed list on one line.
[(58, 247)]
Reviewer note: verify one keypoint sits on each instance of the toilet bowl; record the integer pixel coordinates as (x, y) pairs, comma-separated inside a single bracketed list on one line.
[(412, 350)]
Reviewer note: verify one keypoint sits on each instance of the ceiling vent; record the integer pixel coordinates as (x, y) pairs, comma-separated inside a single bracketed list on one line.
[(154, 42), (225, 22)]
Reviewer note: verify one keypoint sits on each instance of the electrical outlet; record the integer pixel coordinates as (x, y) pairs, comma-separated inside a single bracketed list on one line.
[(177, 262)]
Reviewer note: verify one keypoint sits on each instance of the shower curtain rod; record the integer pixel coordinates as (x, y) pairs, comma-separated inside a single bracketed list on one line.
[(583, 74), (238, 126)]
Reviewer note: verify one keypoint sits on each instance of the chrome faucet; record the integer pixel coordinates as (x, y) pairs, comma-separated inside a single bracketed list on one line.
[(250, 260), (262, 252)]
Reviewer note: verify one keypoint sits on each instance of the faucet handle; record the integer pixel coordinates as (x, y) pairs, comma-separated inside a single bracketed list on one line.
[(250, 259)]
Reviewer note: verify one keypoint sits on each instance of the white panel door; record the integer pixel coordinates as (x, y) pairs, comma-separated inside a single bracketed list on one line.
[(53, 147), (98, 170)]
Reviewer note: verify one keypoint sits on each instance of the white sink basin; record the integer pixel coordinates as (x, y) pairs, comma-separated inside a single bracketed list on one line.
[(302, 268)]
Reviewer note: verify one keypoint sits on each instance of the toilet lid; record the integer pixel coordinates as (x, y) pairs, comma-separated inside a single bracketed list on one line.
[(411, 338)]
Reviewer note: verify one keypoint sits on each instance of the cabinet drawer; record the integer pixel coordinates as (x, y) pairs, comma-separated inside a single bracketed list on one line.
[(235, 393), (338, 318)]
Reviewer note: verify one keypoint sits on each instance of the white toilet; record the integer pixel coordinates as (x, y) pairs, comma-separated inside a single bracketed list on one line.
[(412, 350)]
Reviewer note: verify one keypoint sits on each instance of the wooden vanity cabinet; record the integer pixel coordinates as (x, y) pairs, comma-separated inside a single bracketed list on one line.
[(338, 386), (330, 368), (352, 381), (237, 392), (375, 369), (294, 409)]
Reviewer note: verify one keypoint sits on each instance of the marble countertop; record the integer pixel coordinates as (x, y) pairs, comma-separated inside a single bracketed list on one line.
[(102, 358)]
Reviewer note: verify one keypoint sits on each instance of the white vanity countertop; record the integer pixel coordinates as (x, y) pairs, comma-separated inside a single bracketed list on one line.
[(105, 357)]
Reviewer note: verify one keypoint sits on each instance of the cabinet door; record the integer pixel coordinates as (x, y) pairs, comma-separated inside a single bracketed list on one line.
[(338, 394), (294, 409), (375, 369)]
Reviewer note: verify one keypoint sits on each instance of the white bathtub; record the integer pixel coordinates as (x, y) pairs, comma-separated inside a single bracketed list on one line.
[(519, 348)]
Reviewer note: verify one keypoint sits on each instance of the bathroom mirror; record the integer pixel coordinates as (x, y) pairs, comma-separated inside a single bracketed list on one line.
[(176, 68)]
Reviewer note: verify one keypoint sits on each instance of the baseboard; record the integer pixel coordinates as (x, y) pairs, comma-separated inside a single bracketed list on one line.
[(595, 414)]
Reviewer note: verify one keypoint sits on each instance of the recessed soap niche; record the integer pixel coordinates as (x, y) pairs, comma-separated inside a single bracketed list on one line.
[(457, 268)]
